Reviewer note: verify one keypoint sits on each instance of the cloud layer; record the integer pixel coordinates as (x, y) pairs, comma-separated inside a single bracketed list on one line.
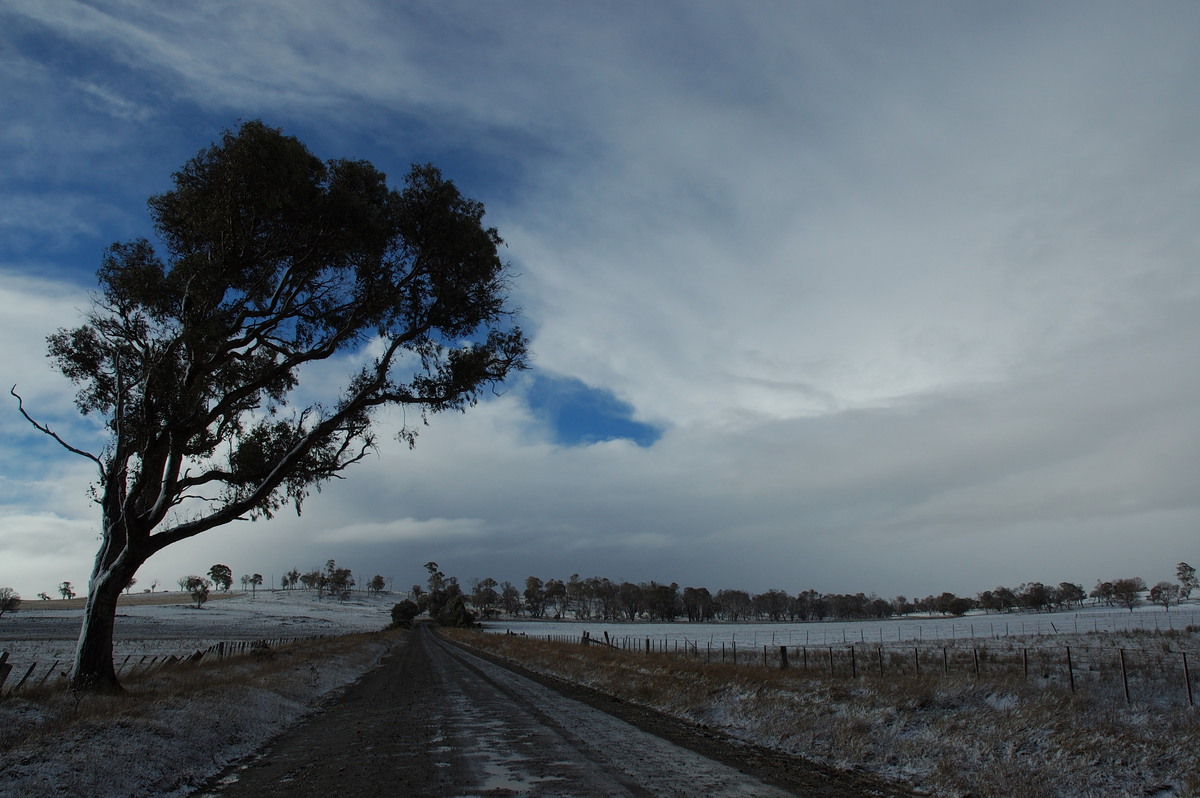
[(910, 291)]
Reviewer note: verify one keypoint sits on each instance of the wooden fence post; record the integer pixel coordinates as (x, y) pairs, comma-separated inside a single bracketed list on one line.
[(1187, 679), (1124, 676), (5, 669), (1070, 670), (783, 658)]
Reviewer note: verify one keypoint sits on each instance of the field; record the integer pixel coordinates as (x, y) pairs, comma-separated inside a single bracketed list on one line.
[(985, 712), (180, 724), (1103, 711), (160, 625)]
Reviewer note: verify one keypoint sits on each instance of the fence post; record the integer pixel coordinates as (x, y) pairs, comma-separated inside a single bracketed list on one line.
[(917, 659), (5, 668), (1025, 663), (853, 664), (1070, 670), (1124, 676), (945, 661), (1187, 679), (23, 678), (881, 661), (975, 653), (831, 661), (783, 659)]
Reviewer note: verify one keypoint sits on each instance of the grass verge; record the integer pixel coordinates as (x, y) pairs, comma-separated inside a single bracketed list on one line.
[(957, 735), (176, 726)]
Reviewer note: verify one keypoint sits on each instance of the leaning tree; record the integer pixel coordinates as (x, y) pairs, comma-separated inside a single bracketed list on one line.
[(194, 351)]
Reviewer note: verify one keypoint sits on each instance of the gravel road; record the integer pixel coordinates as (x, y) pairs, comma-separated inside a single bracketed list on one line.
[(435, 720)]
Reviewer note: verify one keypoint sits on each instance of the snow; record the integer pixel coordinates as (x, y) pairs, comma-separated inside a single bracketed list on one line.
[(179, 727), (753, 636)]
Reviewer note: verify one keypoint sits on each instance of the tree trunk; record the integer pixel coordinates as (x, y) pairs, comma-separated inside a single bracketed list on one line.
[(94, 671)]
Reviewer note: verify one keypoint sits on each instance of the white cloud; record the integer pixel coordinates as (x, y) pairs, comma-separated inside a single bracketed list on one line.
[(911, 290)]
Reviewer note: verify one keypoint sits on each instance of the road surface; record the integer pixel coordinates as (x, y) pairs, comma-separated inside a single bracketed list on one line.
[(435, 720)]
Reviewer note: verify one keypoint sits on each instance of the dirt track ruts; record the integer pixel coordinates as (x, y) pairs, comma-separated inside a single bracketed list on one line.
[(435, 720)]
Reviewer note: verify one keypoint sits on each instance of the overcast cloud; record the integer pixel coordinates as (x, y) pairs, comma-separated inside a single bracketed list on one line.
[(907, 293)]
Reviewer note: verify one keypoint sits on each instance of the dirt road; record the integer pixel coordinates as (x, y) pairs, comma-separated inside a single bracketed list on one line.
[(434, 720)]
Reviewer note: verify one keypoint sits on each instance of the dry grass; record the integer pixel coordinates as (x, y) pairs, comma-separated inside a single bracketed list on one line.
[(176, 726), (995, 735)]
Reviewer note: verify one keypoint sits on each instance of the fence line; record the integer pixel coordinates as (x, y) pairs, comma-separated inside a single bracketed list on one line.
[(147, 663), (1138, 671)]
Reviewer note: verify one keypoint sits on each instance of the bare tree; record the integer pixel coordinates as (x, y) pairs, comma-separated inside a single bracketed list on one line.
[(10, 600)]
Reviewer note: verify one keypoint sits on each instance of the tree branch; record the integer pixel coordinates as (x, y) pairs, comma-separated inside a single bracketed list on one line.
[(45, 429)]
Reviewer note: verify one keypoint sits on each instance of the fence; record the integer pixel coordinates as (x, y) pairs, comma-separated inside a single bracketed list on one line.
[(1143, 674), (129, 665)]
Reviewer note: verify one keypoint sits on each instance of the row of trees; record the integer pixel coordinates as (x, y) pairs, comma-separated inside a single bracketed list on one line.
[(603, 599)]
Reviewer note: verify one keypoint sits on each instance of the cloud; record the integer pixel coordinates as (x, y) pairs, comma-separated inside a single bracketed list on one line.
[(908, 294)]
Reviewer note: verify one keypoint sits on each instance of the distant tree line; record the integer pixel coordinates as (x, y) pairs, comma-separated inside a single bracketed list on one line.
[(600, 598)]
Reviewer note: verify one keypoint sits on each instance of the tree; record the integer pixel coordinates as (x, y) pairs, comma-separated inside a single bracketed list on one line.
[(68, 591), (255, 581), (129, 585), (1069, 593), (484, 595), (1127, 592), (1166, 594), (455, 613), (1186, 575), (337, 581), (222, 576), (198, 586), (403, 613), (44, 596), (376, 584), (271, 260), (1103, 592), (535, 597), (10, 600)]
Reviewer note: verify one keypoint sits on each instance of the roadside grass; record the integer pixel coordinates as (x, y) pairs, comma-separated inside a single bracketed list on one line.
[(959, 734), (176, 726)]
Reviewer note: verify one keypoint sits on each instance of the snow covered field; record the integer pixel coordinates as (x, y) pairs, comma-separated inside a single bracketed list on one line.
[(911, 628), (45, 632), (179, 726)]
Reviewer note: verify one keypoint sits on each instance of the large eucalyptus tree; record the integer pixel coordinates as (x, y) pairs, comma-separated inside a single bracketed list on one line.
[(194, 349)]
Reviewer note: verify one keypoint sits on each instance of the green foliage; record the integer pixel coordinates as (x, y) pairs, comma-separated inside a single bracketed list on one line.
[(270, 260), (198, 586), (404, 612), (222, 576), (455, 613)]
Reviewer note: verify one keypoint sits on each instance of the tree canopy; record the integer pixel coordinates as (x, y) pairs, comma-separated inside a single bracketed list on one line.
[(194, 350)]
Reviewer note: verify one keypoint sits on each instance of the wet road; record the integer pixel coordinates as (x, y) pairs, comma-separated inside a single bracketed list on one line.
[(434, 720)]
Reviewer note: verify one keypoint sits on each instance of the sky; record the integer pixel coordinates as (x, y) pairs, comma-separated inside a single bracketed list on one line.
[(895, 298)]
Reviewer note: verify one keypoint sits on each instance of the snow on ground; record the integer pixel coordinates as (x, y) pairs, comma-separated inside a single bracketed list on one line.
[(892, 630), (178, 727), (43, 632)]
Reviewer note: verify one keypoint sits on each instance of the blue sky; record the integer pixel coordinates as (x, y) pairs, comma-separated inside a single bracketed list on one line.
[(883, 297)]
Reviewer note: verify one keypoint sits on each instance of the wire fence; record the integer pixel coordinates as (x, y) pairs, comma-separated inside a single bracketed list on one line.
[(1142, 674), (38, 674)]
